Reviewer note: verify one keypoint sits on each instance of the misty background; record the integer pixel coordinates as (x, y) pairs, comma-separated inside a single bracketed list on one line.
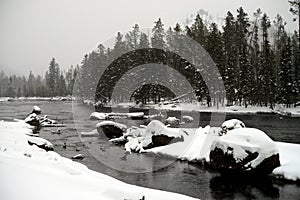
[(35, 31)]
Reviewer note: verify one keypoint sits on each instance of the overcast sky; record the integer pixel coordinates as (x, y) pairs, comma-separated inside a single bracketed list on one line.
[(34, 31)]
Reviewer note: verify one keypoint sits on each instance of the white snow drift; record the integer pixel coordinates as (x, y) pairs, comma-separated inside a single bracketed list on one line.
[(28, 172)]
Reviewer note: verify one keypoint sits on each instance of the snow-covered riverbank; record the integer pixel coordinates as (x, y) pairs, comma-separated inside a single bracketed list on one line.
[(279, 109), (29, 172), (196, 148), (199, 107)]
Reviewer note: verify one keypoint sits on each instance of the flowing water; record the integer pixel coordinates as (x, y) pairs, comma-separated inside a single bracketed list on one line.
[(163, 173)]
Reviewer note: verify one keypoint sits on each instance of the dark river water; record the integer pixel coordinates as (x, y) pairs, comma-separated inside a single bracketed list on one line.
[(153, 171)]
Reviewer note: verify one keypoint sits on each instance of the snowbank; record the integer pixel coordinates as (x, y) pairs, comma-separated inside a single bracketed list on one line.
[(198, 107), (290, 161), (28, 172), (195, 146)]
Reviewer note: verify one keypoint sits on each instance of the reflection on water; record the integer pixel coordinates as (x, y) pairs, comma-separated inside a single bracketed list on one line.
[(181, 177), (233, 187)]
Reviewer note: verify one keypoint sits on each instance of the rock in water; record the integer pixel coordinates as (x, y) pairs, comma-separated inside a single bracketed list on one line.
[(244, 150), (78, 157), (36, 110), (187, 119), (173, 122), (33, 120), (230, 125), (111, 129), (157, 134)]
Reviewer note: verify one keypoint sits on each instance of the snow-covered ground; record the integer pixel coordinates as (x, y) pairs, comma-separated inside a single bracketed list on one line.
[(294, 111), (58, 98), (29, 172)]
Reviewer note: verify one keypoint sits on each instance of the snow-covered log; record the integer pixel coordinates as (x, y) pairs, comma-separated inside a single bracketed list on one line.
[(107, 116)]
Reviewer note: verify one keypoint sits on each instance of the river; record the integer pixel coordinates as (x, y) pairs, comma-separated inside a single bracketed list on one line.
[(162, 173)]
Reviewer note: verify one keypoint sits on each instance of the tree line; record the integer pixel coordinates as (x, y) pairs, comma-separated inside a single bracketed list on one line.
[(55, 82), (257, 58)]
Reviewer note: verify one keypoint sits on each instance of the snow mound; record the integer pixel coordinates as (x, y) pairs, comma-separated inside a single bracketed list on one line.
[(232, 124), (290, 162), (194, 148), (199, 148), (244, 141)]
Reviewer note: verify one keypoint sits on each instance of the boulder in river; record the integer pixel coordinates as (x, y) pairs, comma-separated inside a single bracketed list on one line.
[(244, 150), (157, 134), (173, 122), (36, 110), (33, 120), (111, 129)]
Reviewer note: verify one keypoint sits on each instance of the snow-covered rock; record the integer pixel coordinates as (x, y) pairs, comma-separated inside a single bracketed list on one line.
[(232, 124), (153, 135), (41, 143), (98, 116), (111, 129), (173, 121), (157, 134), (78, 157), (36, 110), (187, 119), (194, 148), (33, 120), (245, 149)]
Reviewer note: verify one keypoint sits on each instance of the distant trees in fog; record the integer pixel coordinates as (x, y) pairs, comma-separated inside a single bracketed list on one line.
[(56, 82)]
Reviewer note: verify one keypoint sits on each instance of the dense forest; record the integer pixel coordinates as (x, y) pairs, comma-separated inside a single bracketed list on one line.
[(257, 58)]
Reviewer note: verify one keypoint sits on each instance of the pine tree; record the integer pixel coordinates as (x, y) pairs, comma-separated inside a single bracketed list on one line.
[(216, 50), (255, 56), (245, 77), (295, 10), (230, 75), (158, 37), (144, 41), (51, 78), (10, 91), (30, 85), (285, 73), (267, 79), (199, 31)]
